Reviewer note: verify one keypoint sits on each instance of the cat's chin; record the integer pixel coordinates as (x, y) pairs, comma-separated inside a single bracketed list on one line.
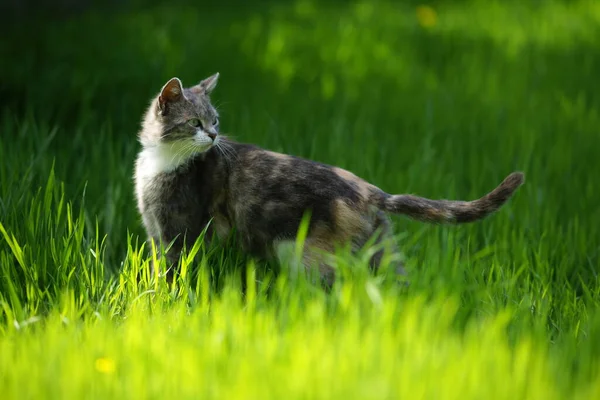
[(202, 148), (203, 144)]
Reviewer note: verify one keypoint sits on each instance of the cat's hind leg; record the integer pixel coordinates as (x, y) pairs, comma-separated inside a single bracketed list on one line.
[(313, 260), (385, 240)]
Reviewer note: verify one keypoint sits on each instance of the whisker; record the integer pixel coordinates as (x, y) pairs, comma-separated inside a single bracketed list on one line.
[(185, 147), (219, 103), (221, 150), (228, 136), (228, 148), (227, 151)]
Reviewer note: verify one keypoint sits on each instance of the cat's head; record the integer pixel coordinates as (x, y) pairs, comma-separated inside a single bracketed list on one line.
[(182, 117)]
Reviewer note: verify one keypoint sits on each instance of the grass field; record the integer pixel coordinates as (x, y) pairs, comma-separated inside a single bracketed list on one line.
[(441, 100)]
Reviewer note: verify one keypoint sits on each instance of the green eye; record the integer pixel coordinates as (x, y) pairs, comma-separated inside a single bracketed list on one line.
[(195, 122)]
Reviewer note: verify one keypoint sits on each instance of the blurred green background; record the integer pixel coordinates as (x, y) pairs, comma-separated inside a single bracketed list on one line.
[(441, 99)]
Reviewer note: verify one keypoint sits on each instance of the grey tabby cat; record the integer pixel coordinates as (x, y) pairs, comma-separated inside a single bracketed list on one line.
[(187, 175)]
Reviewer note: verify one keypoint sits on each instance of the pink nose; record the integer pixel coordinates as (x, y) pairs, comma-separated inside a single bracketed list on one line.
[(212, 135)]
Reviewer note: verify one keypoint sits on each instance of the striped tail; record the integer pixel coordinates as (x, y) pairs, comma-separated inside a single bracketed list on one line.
[(448, 211)]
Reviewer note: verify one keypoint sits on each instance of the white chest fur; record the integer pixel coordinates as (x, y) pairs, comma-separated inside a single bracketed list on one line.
[(151, 162), (155, 160)]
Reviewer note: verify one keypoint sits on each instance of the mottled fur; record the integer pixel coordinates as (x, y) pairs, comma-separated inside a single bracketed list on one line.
[(263, 194)]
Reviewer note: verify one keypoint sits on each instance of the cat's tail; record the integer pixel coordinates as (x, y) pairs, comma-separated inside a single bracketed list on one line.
[(449, 211)]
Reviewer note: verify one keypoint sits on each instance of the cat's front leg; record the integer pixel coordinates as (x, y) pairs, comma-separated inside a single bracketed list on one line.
[(170, 257)]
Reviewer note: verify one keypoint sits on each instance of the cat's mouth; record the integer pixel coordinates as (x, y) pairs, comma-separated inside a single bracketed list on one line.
[(205, 140)]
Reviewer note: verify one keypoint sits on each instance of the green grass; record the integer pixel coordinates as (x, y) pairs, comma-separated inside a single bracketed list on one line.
[(505, 308)]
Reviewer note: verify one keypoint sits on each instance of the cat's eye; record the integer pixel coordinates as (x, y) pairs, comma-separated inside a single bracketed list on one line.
[(216, 122), (195, 122)]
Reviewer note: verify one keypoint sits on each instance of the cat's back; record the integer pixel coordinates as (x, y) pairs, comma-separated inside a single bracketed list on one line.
[(270, 193), (271, 175)]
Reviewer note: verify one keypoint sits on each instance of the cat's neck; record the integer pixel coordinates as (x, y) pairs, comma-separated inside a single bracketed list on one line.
[(166, 158)]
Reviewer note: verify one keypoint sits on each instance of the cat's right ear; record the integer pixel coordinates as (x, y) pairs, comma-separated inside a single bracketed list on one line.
[(170, 93), (207, 85)]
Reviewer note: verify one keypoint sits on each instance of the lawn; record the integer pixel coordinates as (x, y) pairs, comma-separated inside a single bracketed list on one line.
[(442, 100)]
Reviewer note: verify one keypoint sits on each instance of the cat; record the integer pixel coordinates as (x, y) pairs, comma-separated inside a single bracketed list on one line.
[(188, 176)]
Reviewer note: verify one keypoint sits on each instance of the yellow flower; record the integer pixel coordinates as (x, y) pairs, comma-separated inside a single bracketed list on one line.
[(105, 365), (426, 16)]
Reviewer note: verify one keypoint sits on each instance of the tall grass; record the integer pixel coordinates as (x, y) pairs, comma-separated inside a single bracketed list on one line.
[(441, 101)]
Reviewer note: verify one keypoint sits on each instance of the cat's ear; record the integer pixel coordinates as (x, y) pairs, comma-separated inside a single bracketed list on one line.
[(170, 93), (207, 85)]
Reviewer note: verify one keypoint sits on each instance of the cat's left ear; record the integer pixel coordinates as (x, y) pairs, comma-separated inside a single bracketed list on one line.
[(170, 93), (207, 85)]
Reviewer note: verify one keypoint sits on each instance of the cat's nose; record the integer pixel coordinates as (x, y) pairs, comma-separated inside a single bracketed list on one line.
[(212, 133)]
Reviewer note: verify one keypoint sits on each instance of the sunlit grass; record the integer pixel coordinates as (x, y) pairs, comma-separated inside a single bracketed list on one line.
[(439, 99), (277, 349)]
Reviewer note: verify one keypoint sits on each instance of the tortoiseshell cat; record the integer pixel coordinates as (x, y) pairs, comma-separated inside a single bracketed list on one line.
[(187, 174)]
